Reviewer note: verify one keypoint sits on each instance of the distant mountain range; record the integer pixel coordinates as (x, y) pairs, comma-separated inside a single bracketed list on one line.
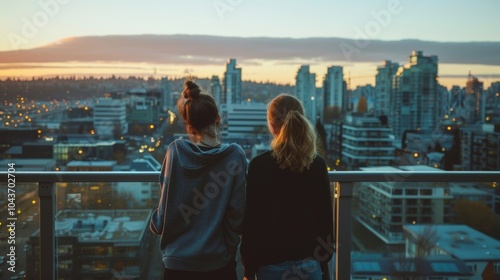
[(215, 50)]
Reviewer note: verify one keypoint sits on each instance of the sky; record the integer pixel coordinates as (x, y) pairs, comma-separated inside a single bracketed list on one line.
[(53, 24)]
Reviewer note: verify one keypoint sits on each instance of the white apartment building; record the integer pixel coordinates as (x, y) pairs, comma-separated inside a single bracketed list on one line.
[(110, 117), (244, 120), (385, 207), (366, 142)]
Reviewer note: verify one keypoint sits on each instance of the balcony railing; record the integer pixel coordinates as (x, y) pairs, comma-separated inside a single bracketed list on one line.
[(343, 203)]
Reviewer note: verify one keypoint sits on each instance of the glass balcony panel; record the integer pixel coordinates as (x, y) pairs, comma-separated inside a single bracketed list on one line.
[(448, 225), (102, 228), (18, 221)]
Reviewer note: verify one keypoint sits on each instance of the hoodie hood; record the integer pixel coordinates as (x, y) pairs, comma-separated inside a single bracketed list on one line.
[(194, 160)]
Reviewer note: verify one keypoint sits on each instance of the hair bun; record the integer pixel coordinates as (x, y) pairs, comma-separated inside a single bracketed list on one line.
[(191, 90)]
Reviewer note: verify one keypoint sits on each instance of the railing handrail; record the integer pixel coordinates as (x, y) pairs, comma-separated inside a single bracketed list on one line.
[(335, 176)]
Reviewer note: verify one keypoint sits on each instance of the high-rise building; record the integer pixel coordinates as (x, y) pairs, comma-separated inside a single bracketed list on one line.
[(383, 88), (366, 142), (305, 91), (215, 89), (492, 104), (472, 100), (232, 83), (480, 147), (110, 117), (456, 97), (333, 88), (415, 96)]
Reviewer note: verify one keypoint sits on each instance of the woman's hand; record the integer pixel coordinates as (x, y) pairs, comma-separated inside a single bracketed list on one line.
[(251, 278)]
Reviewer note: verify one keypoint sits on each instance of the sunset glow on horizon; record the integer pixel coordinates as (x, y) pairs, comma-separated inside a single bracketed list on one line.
[(358, 75)]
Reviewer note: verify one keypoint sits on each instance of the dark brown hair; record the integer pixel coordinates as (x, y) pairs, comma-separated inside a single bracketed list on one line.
[(197, 109)]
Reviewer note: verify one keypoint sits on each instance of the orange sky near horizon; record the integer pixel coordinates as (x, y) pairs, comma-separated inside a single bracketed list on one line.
[(272, 71)]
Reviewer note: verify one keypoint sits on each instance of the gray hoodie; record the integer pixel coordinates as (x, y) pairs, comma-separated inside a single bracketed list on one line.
[(201, 207)]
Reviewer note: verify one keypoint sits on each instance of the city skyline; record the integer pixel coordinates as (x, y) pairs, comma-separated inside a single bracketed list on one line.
[(358, 36)]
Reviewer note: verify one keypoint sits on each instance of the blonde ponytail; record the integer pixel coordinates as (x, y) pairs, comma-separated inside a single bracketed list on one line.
[(294, 147)]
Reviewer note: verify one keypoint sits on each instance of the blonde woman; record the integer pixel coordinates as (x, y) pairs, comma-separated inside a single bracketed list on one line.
[(288, 216)]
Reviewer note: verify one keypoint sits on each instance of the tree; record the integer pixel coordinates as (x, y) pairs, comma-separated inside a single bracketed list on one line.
[(332, 113), (321, 145), (362, 105), (453, 156), (477, 215), (424, 242), (261, 129)]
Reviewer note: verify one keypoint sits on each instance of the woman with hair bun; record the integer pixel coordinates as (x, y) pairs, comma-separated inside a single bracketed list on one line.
[(288, 226), (200, 212)]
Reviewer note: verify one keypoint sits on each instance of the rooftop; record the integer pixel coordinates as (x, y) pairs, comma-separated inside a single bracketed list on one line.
[(102, 225), (419, 168), (376, 264), (464, 188), (93, 163), (461, 241), (380, 168)]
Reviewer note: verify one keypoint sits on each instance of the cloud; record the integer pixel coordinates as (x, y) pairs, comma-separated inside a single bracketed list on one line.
[(215, 50), (482, 76)]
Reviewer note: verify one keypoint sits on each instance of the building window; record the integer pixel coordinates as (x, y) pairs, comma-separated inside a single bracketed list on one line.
[(497, 267), (406, 99), (411, 202), (426, 192), (472, 268), (411, 192)]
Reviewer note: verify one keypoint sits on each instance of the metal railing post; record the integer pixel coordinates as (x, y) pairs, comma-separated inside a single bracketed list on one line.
[(343, 230), (47, 231)]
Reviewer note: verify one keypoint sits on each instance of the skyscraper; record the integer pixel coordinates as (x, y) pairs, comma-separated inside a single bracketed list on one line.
[(305, 90), (415, 95), (492, 104), (383, 88), (472, 100), (232, 83), (215, 89), (333, 92)]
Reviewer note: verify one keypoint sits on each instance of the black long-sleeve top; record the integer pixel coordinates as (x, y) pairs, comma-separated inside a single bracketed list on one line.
[(288, 215)]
